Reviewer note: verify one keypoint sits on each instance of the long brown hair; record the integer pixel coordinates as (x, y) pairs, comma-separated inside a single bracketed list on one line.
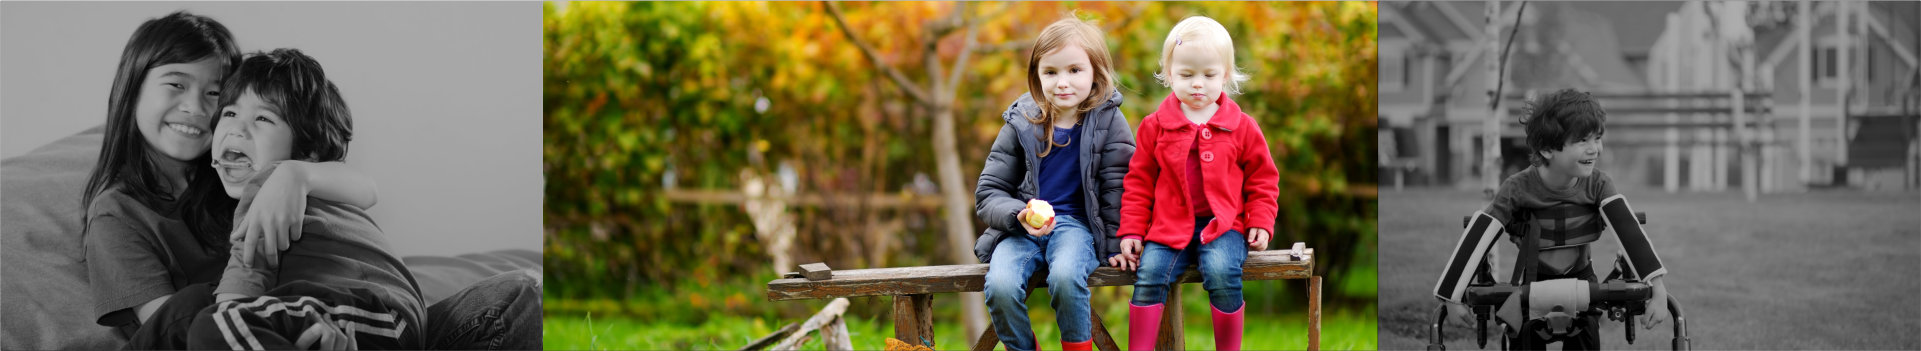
[(179, 37), (1063, 32)]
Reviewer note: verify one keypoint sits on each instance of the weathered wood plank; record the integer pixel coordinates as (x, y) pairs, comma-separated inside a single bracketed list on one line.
[(834, 336), (1314, 313), (827, 314), (769, 340), (914, 319), (1261, 265), (816, 271)]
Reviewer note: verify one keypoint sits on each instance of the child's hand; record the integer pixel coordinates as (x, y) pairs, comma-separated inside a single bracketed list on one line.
[(1257, 239), (1459, 312), (1130, 257), (273, 218), (1032, 231), (327, 337), (1657, 310)]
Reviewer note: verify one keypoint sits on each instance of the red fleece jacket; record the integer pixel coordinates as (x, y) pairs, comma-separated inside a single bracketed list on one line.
[(1241, 183)]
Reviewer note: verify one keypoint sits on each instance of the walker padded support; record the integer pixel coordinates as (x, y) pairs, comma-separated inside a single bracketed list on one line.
[(1634, 240), (1466, 259)]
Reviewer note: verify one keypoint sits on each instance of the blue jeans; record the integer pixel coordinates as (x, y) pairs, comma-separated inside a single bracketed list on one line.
[(499, 313), (1068, 253), (1220, 263)]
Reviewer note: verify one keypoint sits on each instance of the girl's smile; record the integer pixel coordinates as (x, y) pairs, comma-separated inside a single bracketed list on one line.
[(173, 108)]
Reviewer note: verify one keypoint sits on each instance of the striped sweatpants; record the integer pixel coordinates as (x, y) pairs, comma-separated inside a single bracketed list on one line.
[(277, 319)]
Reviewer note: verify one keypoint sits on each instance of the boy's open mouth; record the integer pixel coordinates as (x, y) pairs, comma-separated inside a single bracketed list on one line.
[(234, 165), (1588, 162)]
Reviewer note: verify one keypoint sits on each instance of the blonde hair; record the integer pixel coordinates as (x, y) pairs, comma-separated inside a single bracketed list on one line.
[(1056, 36), (1204, 31)]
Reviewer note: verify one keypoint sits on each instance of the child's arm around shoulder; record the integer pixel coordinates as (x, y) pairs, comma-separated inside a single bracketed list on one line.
[(273, 218), (335, 181)]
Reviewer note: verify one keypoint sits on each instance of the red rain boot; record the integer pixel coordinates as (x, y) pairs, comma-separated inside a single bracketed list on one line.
[(1077, 346), (1143, 326), (1227, 328)]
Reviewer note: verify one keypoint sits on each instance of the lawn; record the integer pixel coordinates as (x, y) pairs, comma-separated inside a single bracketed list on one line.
[(1341, 331), (1821, 270), (1353, 328)]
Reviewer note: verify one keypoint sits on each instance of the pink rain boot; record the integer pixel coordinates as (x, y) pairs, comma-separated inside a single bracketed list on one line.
[(1143, 326), (1227, 328)]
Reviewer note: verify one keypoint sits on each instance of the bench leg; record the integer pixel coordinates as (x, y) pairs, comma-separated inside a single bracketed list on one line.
[(1102, 340), (987, 340), (914, 319), (1172, 336), (1314, 312)]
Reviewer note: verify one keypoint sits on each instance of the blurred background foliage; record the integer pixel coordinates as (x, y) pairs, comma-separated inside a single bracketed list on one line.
[(656, 112)]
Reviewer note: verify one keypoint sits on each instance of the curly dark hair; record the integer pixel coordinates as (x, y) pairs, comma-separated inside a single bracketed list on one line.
[(1553, 119)]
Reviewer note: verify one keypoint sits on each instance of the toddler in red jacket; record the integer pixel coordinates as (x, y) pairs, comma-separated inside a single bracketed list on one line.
[(1201, 187)]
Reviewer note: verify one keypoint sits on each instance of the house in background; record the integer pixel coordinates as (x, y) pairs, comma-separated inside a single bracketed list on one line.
[(1433, 82), (1807, 58), (1433, 87), (1860, 53)]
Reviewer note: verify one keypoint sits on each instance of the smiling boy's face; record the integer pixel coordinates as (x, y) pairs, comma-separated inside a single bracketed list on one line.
[(1577, 158), (249, 136)]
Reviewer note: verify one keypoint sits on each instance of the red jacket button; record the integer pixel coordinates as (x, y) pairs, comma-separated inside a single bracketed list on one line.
[(1207, 156), (1205, 134)]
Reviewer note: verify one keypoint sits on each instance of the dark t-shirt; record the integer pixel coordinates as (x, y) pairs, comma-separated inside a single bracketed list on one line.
[(341, 248), (1526, 192), (136, 254), (1060, 174)]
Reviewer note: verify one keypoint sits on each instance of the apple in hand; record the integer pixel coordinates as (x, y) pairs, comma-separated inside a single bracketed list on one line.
[(1039, 213)]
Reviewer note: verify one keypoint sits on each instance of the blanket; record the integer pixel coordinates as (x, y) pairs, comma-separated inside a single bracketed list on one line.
[(43, 276)]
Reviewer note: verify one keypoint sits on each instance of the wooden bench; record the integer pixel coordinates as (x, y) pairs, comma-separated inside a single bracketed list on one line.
[(913, 289)]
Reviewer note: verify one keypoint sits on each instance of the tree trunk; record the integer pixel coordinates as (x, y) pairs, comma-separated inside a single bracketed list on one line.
[(959, 206), (1491, 127)]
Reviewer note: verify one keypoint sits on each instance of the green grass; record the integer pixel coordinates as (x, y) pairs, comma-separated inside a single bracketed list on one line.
[(1341, 330), (726, 313)]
